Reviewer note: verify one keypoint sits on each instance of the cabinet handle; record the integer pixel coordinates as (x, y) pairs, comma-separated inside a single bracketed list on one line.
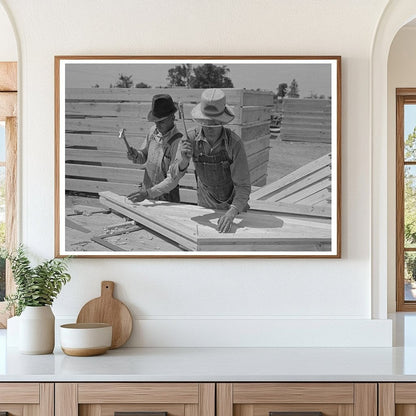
[(138, 414), (295, 413)]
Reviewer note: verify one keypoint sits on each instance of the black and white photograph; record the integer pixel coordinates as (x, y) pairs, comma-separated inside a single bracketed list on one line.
[(197, 157)]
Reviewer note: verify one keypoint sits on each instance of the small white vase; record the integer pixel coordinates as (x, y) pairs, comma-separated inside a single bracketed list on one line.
[(37, 330)]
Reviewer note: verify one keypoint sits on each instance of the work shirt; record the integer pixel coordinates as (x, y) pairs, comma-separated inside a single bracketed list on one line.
[(157, 154), (236, 163)]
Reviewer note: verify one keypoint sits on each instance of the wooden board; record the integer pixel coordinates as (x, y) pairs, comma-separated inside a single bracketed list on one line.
[(8, 105), (109, 310), (8, 76), (186, 95), (268, 191), (196, 227)]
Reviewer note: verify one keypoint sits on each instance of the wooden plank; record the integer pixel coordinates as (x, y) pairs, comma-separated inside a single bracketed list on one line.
[(322, 196), (258, 159), (185, 95), (22, 393), (123, 175), (259, 172), (191, 410), (304, 193), (8, 76), (259, 182), (106, 244), (102, 142), (165, 226), (405, 393), (72, 224), (207, 399), (266, 191), (251, 97), (8, 105), (290, 103), (47, 399), (365, 403), (251, 393), (66, 399), (295, 209), (302, 183), (251, 131), (224, 399), (259, 143), (98, 156), (250, 114), (386, 399), (138, 393), (95, 187)]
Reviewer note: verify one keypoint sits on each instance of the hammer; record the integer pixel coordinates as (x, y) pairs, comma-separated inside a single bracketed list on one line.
[(122, 135), (182, 116)]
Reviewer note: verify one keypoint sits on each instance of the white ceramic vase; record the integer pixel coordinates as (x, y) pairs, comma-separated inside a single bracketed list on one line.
[(37, 330)]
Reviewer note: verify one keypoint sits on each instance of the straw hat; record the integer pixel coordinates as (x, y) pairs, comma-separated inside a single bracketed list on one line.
[(212, 109)]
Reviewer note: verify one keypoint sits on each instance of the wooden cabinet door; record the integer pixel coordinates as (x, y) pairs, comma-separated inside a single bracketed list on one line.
[(144, 399), (297, 399), (397, 399), (26, 399)]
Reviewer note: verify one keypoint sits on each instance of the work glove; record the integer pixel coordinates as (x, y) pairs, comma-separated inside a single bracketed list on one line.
[(226, 221), (138, 196)]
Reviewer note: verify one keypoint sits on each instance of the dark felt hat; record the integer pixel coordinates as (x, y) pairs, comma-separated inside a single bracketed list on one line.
[(162, 107)]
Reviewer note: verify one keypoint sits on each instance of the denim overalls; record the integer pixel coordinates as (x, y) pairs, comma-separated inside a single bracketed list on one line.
[(214, 172)]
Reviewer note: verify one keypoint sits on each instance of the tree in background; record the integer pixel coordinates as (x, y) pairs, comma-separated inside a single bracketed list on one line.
[(202, 76), (293, 89), (410, 206), (212, 76), (180, 76), (124, 81), (142, 85), (282, 90)]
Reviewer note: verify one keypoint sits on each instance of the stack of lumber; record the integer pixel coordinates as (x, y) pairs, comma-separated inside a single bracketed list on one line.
[(306, 120), (193, 228), (96, 159), (306, 190)]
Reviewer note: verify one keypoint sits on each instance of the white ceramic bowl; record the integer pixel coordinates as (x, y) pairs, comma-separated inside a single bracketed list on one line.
[(83, 340)]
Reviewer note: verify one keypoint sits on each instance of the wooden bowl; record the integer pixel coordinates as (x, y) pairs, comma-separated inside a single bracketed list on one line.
[(84, 340)]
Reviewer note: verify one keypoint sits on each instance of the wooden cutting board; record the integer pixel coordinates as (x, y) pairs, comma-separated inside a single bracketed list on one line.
[(107, 309)]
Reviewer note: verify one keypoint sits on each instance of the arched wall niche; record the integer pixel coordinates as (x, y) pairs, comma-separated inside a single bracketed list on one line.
[(396, 15)]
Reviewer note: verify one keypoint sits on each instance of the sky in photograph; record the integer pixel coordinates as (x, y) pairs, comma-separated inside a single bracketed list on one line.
[(311, 78), (409, 119)]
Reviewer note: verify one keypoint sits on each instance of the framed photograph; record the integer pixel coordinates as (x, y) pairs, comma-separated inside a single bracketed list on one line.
[(198, 156)]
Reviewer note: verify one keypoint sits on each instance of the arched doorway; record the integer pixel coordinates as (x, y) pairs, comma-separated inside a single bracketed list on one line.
[(396, 15)]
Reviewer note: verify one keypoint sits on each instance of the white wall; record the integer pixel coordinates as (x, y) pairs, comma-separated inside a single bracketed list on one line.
[(401, 74), (8, 46), (212, 302)]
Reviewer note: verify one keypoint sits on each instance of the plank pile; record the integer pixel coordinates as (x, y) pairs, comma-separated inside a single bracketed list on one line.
[(306, 191), (306, 120), (96, 159), (193, 228)]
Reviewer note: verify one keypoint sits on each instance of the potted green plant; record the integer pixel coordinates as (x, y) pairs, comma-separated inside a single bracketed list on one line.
[(36, 289)]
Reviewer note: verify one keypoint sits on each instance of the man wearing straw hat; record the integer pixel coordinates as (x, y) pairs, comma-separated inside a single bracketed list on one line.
[(221, 167), (157, 152)]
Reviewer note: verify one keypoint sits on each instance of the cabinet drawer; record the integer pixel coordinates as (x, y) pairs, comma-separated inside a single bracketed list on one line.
[(21, 399), (147, 399), (309, 399)]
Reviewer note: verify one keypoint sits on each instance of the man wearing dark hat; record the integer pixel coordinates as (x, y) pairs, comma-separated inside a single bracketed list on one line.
[(221, 167), (157, 152)]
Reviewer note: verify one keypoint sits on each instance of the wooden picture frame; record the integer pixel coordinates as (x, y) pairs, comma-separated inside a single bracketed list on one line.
[(287, 116)]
